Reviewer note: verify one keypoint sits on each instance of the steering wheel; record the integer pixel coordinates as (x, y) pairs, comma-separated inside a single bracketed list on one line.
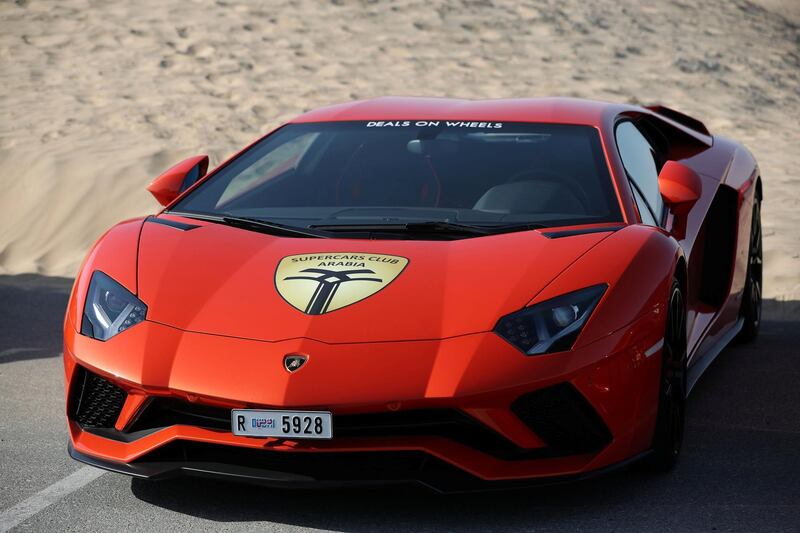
[(548, 175)]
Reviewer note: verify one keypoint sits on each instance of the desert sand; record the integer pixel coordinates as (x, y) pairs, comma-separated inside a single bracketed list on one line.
[(97, 98)]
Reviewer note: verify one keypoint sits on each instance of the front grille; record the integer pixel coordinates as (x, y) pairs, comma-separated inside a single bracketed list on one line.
[(560, 415), (451, 424), (563, 418), (95, 402)]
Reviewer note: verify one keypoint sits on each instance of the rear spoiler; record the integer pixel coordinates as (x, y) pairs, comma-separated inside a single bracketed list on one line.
[(680, 118)]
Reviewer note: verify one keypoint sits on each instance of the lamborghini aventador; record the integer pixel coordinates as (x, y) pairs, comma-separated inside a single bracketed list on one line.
[(462, 294)]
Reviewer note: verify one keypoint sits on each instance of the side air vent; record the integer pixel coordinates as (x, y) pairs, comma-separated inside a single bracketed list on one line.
[(719, 247), (563, 418), (95, 402)]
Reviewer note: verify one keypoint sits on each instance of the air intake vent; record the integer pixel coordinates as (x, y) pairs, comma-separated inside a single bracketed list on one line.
[(95, 402), (563, 418)]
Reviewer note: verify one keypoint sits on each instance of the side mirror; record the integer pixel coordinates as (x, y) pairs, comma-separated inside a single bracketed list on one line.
[(177, 179), (680, 187)]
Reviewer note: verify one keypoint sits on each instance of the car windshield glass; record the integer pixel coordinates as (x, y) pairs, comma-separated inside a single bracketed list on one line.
[(486, 174)]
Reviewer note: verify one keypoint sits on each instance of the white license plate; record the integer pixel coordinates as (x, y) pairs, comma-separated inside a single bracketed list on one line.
[(287, 424)]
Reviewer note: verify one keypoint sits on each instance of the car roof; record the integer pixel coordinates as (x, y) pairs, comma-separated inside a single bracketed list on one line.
[(548, 110)]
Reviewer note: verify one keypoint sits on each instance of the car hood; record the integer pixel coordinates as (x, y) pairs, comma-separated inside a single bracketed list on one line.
[(221, 280)]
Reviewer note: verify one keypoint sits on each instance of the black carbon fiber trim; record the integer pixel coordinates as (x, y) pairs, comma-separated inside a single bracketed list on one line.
[(452, 424), (580, 231), (420, 468), (171, 223)]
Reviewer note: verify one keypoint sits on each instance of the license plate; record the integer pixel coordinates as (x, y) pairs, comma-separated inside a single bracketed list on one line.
[(287, 424)]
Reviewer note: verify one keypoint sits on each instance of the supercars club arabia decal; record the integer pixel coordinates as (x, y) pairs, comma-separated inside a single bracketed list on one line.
[(320, 283)]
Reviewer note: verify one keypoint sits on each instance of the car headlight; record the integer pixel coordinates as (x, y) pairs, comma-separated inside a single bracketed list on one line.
[(110, 308), (553, 325)]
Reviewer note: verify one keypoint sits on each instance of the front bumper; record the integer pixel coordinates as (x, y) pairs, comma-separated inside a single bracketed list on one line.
[(478, 376)]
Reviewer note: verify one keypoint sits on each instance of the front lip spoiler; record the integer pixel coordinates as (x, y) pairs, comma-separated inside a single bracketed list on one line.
[(283, 480), (170, 470)]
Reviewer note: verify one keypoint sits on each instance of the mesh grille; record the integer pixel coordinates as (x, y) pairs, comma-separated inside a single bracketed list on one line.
[(563, 418), (96, 401)]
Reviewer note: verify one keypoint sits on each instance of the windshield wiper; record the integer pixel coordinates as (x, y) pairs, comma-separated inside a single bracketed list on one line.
[(433, 226), (326, 231), (255, 224)]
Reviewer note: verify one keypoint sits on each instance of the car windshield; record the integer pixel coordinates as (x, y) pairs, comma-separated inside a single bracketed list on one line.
[(407, 172)]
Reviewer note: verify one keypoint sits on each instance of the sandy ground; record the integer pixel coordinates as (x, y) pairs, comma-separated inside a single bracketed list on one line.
[(96, 98)]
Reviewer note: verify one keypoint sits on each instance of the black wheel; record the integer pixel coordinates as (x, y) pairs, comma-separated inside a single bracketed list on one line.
[(751, 299), (671, 419)]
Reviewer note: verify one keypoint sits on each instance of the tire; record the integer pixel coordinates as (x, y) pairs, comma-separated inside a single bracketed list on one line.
[(671, 417), (751, 297)]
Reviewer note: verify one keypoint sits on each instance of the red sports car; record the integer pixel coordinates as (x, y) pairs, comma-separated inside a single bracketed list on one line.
[(462, 294)]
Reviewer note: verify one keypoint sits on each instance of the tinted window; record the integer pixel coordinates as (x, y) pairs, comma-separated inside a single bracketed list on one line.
[(404, 171), (644, 209), (638, 157)]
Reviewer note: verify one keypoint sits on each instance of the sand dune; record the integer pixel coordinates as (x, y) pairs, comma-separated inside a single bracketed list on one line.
[(99, 97)]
